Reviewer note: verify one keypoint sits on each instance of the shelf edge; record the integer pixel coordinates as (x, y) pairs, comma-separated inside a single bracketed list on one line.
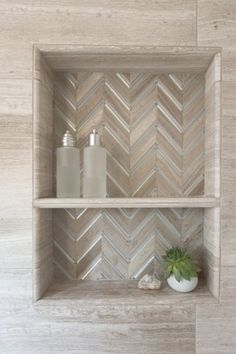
[(198, 202)]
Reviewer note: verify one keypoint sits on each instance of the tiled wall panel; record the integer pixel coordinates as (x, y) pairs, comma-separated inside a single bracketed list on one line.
[(24, 23), (153, 130)]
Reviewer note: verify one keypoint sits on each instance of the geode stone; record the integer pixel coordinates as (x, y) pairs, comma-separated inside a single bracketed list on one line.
[(149, 282)]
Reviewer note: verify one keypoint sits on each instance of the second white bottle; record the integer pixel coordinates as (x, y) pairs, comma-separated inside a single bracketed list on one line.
[(94, 174)]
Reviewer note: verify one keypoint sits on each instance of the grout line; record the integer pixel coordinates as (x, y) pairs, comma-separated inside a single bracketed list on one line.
[(220, 175), (196, 23), (196, 329)]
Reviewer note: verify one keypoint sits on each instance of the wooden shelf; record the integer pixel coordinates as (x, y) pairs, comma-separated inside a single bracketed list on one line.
[(196, 202), (124, 292)]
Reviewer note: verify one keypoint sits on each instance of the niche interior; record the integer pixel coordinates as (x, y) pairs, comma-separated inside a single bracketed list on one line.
[(158, 111)]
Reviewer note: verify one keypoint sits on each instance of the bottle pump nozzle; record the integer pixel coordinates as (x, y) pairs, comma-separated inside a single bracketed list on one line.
[(68, 139), (94, 138)]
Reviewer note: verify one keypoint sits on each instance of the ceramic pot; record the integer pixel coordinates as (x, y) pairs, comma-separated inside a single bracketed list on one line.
[(184, 286)]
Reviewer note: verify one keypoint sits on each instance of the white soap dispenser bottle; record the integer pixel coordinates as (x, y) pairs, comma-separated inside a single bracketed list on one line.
[(68, 168), (94, 175)]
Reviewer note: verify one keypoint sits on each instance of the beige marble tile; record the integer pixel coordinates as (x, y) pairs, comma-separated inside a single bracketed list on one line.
[(45, 334), (213, 127), (117, 313), (15, 236), (16, 97), (228, 226), (217, 26), (101, 22), (16, 288), (211, 249), (216, 23), (16, 167), (15, 59), (215, 329), (100, 58), (228, 284), (228, 98)]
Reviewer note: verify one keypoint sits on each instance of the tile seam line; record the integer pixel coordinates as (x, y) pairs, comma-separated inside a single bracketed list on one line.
[(149, 46), (197, 23)]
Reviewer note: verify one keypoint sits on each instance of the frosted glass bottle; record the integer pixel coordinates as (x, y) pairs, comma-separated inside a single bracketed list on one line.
[(94, 176), (68, 168)]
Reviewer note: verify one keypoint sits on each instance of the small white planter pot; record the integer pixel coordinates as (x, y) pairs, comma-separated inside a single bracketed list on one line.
[(184, 286)]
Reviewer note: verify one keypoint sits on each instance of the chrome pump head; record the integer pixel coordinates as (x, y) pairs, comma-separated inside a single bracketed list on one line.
[(68, 139), (94, 138)]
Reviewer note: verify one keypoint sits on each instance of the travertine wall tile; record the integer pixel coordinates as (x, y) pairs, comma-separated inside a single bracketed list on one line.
[(15, 59), (16, 173), (216, 324), (42, 174), (216, 26), (215, 328), (15, 236), (213, 127), (211, 249), (228, 284), (167, 24), (24, 23), (16, 97), (45, 334), (16, 288), (104, 22)]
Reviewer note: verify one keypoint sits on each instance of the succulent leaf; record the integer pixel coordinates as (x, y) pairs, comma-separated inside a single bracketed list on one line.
[(179, 263)]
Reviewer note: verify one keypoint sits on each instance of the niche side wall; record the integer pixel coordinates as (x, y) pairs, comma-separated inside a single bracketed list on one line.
[(43, 268)]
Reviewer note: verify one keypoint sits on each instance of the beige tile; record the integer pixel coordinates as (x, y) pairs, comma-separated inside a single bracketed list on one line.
[(15, 236), (103, 22), (213, 127), (211, 249), (42, 71), (42, 252), (229, 143), (15, 59), (228, 226), (16, 287), (215, 329), (217, 19), (228, 284), (100, 58), (16, 198), (229, 64), (43, 139), (216, 23), (117, 313), (16, 97), (229, 99), (228, 240), (44, 334)]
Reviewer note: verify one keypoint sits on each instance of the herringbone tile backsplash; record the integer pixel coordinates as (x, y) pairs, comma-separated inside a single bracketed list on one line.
[(153, 129)]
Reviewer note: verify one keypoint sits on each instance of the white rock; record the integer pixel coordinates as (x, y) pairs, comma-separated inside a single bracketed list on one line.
[(149, 282)]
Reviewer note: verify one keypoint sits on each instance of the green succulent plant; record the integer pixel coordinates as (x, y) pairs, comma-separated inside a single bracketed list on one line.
[(179, 263)]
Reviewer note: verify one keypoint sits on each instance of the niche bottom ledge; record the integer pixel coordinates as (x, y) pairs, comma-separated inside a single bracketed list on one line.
[(125, 292)]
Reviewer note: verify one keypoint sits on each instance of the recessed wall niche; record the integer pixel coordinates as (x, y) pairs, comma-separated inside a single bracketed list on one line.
[(152, 126), (158, 114)]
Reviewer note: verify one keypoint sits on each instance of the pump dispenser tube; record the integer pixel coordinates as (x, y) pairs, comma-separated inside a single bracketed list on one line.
[(94, 175)]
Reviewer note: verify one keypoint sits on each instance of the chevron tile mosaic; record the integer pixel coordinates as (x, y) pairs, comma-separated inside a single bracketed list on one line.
[(121, 243), (153, 129)]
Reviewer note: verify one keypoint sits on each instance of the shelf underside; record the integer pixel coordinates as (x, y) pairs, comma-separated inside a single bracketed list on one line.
[(197, 202), (124, 292)]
